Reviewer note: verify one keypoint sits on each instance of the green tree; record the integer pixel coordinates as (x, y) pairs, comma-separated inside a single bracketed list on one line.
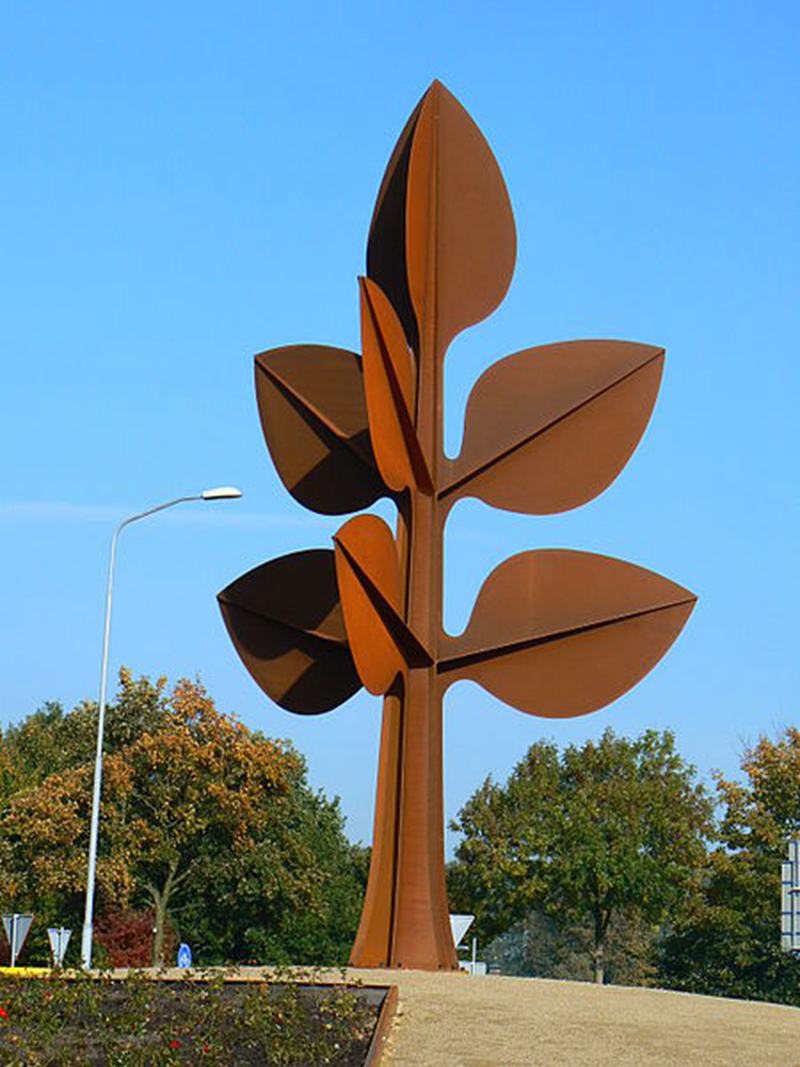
[(293, 897), (726, 940), (612, 830), (540, 946), (202, 820)]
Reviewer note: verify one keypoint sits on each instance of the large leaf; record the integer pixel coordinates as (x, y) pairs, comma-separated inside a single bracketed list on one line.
[(561, 633), (386, 247), (460, 235), (314, 417), (549, 428), (389, 381), (285, 620), (368, 572)]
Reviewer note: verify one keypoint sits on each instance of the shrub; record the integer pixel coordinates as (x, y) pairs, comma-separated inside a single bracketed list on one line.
[(141, 1021)]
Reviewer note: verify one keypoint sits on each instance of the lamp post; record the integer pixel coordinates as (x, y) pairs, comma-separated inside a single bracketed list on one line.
[(225, 492)]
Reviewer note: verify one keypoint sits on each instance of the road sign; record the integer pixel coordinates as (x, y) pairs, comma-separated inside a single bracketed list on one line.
[(59, 939), (459, 924), (184, 956), (17, 927), (790, 900)]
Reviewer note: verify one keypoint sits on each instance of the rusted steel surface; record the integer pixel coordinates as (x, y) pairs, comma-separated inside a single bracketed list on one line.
[(314, 417), (375, 932), (561, 633), (390, 379), (553, 632), (549, 428), (383, 1026), (285, 620), (460, 237), (368, 572)]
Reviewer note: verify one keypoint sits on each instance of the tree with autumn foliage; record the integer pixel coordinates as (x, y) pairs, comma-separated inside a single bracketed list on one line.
[(616, 828), (45, 805), (726, 941), (198, 783), (204, 823)]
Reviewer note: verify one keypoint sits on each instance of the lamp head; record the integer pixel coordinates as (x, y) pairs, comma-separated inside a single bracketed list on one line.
[(222, 492)]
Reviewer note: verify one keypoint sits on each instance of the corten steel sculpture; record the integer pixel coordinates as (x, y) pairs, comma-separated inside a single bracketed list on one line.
[(553, 632)]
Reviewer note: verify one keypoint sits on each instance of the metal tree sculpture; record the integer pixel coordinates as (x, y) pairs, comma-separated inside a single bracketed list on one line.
[(553, 632)]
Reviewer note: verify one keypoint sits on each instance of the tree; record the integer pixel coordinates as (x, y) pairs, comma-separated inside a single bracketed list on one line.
[(203, 821), (726, 940), (614, 829), (50, 740), (542, 947), (201, 782), (294, 897)]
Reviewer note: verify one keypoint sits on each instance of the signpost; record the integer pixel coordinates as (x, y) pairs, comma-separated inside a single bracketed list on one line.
[(459, 924), (790, 899), (17, 927), (59, 939)]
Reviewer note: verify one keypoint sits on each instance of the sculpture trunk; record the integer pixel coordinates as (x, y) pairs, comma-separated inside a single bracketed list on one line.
[(405, 921)]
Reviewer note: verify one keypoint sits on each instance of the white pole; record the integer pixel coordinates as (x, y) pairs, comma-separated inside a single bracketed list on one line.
[(14, 940), (62, 947), (474, 955), (86, 936), (86, 939)]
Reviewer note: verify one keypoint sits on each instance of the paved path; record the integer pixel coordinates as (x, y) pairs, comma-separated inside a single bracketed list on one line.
[(454, 1020)]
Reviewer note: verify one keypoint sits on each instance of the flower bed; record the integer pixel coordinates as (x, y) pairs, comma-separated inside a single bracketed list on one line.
[(141, 1021)]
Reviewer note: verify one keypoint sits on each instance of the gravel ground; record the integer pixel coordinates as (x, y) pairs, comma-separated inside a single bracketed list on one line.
[(454, 1020)]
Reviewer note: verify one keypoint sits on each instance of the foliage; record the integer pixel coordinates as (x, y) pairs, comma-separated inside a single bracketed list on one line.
[(145, 1022), (541, 947), (123, 938), (294, 896), (726, 941), (202, 820), (613, 829), (51, 741)]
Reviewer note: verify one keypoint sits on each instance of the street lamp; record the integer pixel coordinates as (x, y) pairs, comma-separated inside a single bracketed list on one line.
[(223, 492)]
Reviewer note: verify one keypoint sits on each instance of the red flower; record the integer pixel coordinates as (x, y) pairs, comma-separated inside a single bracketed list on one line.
[(3, 1013), (174, 1043), (206, 1048)]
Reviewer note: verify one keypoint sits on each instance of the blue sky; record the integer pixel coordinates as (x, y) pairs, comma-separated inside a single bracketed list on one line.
[(185, 184)]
